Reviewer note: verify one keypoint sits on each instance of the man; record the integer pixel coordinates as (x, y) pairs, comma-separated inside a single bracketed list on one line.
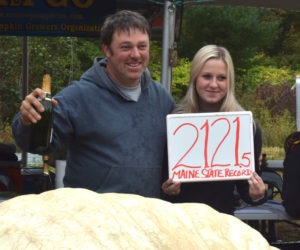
[(113, 119)]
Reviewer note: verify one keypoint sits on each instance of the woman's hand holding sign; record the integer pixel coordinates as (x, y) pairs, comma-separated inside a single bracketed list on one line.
[(171, 188), (257, 187)]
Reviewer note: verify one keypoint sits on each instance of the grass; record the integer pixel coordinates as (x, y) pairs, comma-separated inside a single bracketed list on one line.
[(287, 232), (274, 153)]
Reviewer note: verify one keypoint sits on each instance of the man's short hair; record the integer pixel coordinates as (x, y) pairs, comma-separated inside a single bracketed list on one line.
[(123, 20)]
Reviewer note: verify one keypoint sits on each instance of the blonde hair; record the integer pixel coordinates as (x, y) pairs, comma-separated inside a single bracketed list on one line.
[(190, 102)]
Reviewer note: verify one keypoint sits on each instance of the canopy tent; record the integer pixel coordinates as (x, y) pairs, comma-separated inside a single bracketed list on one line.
[(273, 4)]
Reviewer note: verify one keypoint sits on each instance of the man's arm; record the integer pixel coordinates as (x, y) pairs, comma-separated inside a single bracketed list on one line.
[(29, 114)]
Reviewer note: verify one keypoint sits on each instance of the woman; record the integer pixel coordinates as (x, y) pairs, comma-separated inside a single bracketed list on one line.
[(211, 89)]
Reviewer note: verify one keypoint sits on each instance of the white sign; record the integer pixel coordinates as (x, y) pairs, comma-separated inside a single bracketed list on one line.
[(210, 146)]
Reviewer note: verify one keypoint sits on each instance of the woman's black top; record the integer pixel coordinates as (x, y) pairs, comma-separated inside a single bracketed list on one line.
[(219, 194)]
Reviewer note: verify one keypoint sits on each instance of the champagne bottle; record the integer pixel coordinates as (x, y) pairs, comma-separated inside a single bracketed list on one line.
[(41, 132)]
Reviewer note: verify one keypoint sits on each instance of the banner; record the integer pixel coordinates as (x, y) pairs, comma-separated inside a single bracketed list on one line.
[(78, 18)]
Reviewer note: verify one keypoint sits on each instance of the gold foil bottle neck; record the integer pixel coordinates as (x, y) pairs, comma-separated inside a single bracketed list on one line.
[(46, 86)]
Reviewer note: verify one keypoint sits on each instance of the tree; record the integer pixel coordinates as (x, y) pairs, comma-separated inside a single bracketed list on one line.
[(242, 30), (66, 58), (10, 76)]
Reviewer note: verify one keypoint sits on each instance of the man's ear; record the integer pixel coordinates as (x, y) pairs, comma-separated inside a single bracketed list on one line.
[(106, 50)]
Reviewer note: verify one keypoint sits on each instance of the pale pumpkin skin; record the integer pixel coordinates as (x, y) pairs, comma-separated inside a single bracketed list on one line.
[(70, 218)]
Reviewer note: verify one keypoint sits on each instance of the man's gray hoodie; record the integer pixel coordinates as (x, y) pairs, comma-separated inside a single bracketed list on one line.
[(114, 144)]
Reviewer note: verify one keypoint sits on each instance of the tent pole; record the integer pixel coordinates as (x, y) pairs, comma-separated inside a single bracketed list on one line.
[(167, 44)]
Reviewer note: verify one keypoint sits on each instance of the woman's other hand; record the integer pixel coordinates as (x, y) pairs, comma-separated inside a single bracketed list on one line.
[(171, 188)]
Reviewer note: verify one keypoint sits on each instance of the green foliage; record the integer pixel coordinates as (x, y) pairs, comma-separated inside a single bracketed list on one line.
[(10, 77), (274, 153), (6, 134), (259, 75), (155, 60), (86, 49), (290, 53), (65, 58), (284, 48), (52, 55), (181, 75), (275, 128), (242, 30)]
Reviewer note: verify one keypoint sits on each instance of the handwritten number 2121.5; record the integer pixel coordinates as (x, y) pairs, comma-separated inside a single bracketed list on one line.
[(206, 129)]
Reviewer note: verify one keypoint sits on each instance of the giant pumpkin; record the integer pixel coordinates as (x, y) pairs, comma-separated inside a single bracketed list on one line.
[(69, 218)]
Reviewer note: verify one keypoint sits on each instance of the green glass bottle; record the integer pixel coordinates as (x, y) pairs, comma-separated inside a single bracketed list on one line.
[(41, 132)]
